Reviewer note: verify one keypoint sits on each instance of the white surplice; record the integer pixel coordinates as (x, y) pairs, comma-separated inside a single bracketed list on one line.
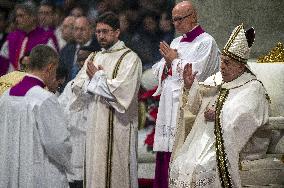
[(34, 141), (243, 112), (203, 54), (94, 98)]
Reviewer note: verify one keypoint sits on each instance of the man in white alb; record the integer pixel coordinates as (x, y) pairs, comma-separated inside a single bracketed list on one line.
[(34, 140), (105, 94), (195, 46)]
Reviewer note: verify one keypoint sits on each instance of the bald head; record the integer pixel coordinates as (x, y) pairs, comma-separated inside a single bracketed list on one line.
[(83, 31), (184, 16), (185, 5), (68, 28), (69, 20)]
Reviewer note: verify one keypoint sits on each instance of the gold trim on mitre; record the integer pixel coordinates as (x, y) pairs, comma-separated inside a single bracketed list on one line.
[(237, 45), (276, 55)]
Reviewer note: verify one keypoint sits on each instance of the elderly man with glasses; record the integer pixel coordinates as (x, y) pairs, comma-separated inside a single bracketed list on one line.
[(196, 47)]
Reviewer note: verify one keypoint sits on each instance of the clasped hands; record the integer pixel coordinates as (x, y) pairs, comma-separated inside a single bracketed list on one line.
[(92, 69), (168, 53), (209, 114)]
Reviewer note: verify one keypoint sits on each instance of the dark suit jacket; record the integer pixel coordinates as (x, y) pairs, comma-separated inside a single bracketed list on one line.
[(67, 55)]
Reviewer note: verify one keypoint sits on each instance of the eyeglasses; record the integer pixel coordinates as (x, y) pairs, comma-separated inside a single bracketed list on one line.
[(103, 31), (179, 19)]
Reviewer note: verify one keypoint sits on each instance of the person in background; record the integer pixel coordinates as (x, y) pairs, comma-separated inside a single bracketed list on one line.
[(83, 35), (77, 11), (12, 78), (83, 54), (150, 38), (34, 140), (166, 27), (59, 81), (46, 15), (46, 19), (3, 25), (195, 46), (23, 39), (66, 33)]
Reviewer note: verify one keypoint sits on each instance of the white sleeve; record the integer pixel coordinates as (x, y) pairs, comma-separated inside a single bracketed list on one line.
[(4, 52), (51, 44), (158, 72), (53, 132), (206, 61), (120, 91), (98, 86), (194, 98)]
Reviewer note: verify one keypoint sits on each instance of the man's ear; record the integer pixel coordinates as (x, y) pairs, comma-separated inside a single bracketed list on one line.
[(117, 33)]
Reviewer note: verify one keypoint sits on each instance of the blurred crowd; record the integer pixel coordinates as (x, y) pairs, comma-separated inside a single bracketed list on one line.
[(69, 25)]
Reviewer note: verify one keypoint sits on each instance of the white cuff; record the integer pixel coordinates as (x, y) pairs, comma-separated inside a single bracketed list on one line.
[(98, 85)]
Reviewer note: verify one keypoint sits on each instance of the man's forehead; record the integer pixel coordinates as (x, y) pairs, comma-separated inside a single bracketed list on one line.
[(181, 8), (69, 20), (81, 22)]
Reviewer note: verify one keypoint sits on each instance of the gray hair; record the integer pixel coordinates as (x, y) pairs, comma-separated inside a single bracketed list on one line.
[(41, 56)]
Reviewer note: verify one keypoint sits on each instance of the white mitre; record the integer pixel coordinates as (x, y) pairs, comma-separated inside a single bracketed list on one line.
[(237, 46)]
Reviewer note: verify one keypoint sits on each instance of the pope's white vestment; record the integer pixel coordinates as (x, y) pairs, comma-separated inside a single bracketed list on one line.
[(34, 141), (203, 54), (243, 111), (107, 110)]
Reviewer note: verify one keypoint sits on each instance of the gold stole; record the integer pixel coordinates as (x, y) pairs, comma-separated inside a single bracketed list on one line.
[(221, 156), (110, 127)]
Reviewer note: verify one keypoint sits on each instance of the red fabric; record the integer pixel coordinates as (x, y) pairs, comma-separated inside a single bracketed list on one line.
[(162, 170), (153, 112), (145, 183), (170, 72), (150, 138), (143, 96)]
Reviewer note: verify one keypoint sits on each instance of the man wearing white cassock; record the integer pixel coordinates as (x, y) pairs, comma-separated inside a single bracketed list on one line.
[(34, 140), (195, 46), (102, 102), (232, 106)]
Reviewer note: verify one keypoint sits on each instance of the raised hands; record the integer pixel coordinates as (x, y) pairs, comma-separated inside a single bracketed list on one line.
[(92, 69), (188, 76), (167, 52)]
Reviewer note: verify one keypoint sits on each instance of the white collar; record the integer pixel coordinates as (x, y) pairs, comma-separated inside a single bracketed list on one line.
[(119, 45), (239, 81), (86, 44)]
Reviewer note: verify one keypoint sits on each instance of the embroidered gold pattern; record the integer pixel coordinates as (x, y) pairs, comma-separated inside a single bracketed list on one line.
[(231, 40), (226, 52), (276, 55), (111, 51), (9, 80), (224, 175), (110, 127)]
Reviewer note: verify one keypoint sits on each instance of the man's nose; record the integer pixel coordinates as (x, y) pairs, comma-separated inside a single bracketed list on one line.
[(100, 36)]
